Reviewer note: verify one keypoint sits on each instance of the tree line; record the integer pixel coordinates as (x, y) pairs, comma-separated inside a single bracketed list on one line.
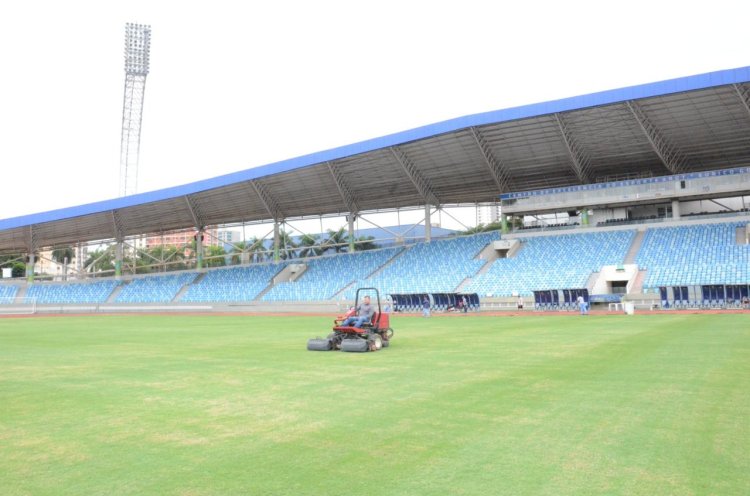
[(170, 258)]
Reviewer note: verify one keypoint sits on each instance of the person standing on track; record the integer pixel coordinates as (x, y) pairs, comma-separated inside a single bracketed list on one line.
[(426, 307), (582, 305)]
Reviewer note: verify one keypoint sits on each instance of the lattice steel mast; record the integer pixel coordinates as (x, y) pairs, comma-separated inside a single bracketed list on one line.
[(137, 49)]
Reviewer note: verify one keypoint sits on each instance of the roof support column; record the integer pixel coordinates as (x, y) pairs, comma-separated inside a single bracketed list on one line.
[(118, 259), (199, 249), (30, 262), (31, 258), (676, 209), (118, 231), (584, 217), (504, 223), (350, 220), (80, 269), (276, 241), (427, 223)]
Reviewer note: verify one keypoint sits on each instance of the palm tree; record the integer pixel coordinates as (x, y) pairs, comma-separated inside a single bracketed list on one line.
[(100, 260), (63, 255), (215, 256), (250, 251), (492, 226), (240, 253), (309, 246), (474, 230), (363, 243), (15, 263), (170, 257), (337, 240), (145, 261), (286, 245)]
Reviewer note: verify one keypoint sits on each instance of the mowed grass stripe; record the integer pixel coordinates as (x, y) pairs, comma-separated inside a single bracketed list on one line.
[(653, 404)]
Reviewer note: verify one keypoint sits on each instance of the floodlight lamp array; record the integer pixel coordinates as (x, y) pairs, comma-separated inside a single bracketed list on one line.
[(137, 48)]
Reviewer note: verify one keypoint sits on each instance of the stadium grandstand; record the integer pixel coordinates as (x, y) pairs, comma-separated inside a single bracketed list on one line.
[(635, 194)]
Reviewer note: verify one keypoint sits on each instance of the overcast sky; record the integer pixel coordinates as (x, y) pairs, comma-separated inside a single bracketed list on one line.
[(235, 85)]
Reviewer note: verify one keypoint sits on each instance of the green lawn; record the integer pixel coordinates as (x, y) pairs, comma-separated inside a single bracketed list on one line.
[(197, 405)]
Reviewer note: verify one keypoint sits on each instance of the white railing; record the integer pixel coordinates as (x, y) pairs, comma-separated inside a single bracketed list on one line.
[(24, 305)]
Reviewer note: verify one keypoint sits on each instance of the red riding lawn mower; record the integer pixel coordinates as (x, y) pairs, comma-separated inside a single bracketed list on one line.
[(372, 336)]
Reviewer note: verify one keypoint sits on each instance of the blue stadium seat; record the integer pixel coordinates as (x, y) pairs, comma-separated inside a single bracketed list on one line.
[(72, 292), (155, 289), (436, 267), (695, 255), (7, 293), (236, 284), (326, 276), (553, 262)]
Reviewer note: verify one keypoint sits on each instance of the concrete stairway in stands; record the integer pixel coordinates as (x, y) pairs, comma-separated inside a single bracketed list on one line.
[(116, 292), (21, 293), (637, 286), (389, 262), (592, 280), (635, 246), (741, 235), (184, 288)]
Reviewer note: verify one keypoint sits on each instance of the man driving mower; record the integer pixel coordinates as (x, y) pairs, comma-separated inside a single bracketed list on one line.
[(363, 314), (365, 327)]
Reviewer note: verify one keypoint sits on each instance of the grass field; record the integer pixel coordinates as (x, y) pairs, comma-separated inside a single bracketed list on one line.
[(198, 405)]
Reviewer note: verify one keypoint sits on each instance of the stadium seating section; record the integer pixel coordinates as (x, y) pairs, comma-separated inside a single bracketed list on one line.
[(155, 289), (684, 256), (81, 292), (553, 262), (437, 267), (694, 255), (232, 285), (7, 293), (326, 276)]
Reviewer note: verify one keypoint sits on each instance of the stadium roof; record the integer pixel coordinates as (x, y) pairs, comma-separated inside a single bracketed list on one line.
[(693, 123)]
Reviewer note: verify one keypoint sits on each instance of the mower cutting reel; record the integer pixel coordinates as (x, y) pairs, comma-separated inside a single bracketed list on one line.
[(371, 336), (319, 344)]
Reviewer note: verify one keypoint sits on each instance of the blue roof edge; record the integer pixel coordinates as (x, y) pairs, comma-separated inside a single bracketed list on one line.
[(666, 87)]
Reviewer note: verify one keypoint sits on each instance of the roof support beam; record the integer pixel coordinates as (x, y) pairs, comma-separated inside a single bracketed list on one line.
[(195, 212), (267, 200), (581, 162), (346, 194), (423, 186), (499, 171), (744, 95), (672, 158)]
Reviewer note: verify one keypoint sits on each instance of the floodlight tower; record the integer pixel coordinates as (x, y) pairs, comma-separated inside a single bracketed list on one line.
[(137, 50)]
